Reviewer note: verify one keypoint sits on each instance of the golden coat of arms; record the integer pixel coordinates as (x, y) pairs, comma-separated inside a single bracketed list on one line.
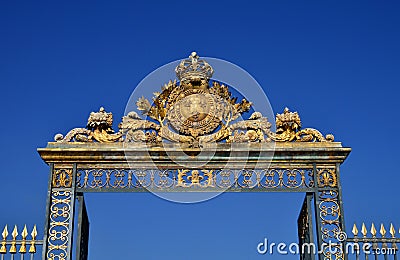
[(195, 111)]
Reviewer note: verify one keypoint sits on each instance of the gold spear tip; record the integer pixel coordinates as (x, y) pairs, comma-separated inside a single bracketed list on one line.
[(34, 232), (363, 229), (32, 248), (354, 230), (373, 229), (392, 230), (5, 233), (382, 230), (15, 232), (24, 232)]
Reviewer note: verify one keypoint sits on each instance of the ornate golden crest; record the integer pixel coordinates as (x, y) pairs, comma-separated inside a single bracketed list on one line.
[(196, 114), (194, 111)]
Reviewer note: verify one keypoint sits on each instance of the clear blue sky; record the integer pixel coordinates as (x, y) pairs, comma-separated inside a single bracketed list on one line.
[(336, 62)]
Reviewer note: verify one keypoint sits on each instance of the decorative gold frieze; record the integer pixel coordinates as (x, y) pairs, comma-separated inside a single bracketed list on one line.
[(326, 177), (62, 178), (195, 178), (154, 179)]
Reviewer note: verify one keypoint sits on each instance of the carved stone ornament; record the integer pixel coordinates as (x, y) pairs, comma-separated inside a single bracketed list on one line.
[(195, 111)]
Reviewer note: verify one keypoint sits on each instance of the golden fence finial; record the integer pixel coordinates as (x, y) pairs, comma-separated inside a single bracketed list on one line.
[(363, 230), (3, 248), (32, 248), (5, 233), (355, 230), (373, 230), (14, 234), (382, 230), (392, 230), (24, 234)]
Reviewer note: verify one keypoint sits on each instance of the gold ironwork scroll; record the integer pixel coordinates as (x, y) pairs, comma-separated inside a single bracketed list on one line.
[(59, 231), (199, 179), (329, 213), (59, 226)]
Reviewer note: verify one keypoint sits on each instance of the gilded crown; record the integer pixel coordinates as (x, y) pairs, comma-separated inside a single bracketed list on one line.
[(193, 69)]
